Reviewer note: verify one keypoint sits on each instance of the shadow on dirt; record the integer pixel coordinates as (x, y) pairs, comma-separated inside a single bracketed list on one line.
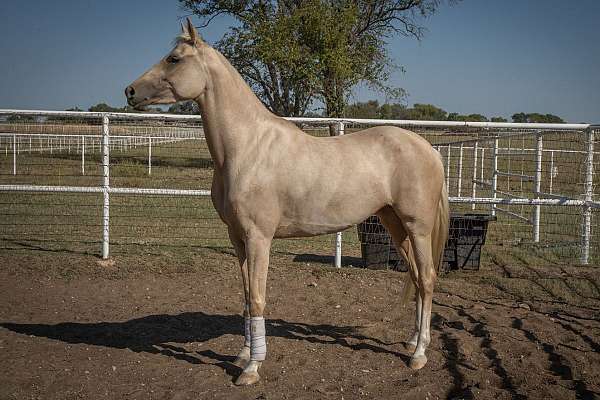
[(455, 359), (19, 245), (559, 364), (159, 334), (347, 261)]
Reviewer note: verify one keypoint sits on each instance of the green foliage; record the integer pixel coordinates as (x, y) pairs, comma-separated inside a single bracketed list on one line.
[(19, 118), (103, 107), (367, 110), (392, 111), (427, 112), (470, 117), (498, 119), (537, 118), (372, 110), (293, 52), (185, 107)]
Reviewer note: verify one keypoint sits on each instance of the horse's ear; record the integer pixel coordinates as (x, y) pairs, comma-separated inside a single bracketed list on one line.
[(191, 31)]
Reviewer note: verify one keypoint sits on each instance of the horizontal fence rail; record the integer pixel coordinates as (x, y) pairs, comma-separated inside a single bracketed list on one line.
[(537, 179)]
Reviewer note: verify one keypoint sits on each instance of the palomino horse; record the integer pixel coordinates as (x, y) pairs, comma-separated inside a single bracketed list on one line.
[(271, 180)]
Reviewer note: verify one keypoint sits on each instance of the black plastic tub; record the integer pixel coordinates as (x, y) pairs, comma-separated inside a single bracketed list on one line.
[(463, 248)]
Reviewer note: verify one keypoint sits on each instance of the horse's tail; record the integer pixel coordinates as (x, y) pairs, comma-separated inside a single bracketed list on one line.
[(439, 235)]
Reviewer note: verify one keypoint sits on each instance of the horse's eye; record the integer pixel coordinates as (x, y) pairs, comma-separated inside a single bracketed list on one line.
[(172, 60)]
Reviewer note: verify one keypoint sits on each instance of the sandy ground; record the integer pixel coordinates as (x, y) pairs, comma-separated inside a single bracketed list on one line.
[(153, 328)]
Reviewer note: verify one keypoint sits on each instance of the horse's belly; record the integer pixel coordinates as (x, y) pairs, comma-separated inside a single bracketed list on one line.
[(288, 229), (313, 220)]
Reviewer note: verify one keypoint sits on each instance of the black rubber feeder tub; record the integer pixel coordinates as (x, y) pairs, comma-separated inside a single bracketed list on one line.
[(463, 248)]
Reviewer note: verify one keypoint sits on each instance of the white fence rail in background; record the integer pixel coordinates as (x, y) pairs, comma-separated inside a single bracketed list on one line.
[(518, 176)]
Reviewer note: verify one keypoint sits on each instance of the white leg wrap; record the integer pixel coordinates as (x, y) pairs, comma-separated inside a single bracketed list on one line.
[(258, 345), (247, 332)]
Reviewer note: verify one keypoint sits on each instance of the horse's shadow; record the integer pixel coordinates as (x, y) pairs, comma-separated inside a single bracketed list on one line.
[(160, 334)]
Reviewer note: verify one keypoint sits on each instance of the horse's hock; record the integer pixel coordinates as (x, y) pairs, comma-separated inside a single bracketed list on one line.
[(463, 248)]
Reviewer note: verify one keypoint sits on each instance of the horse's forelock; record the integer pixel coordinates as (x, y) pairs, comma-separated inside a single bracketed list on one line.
[(184, 38)]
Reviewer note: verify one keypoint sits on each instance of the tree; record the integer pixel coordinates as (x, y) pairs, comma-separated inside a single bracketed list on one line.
[(537, 118), (293, 52), (392, 111), (470, 117), (519, 117), (103, 107), (184, 107), (368, 110), (498, 119), (425, 112), (20, 118), (553, 119)]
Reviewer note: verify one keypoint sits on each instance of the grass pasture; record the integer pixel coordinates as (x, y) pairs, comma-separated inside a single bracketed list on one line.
[(157, 223)]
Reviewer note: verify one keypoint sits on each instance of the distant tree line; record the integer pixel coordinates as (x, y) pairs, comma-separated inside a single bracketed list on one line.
[(185, 107), (373, 110), (369, 110)]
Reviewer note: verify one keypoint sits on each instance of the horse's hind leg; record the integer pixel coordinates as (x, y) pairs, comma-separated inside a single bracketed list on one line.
[(394, 226), (421, 245), (411, 344)]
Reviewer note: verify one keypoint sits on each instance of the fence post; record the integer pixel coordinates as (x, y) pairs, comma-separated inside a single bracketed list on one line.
[(14, 154), (338, 235), (460, 164), (82, 155), (105, 186), (589, 191), (551, 171), (149, 155), (495, 174), (448, 170), (474, 186), (537, 185), (482, 160)]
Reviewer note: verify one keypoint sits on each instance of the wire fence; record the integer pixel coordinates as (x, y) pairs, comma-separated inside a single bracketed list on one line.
[(97, 183)]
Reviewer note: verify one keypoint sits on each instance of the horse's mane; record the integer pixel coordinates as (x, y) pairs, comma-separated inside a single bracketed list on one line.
[(183, 37)]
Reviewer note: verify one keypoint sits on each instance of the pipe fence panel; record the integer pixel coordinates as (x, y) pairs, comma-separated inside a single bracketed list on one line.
[(128, 182)]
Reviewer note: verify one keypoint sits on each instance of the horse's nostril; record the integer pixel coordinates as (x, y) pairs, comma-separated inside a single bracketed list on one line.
[(129, 92)]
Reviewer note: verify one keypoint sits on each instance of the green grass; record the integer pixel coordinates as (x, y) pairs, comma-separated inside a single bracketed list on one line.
[(183, 225)]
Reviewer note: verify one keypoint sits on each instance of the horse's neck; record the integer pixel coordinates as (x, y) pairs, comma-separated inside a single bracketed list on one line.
[(232, 115)]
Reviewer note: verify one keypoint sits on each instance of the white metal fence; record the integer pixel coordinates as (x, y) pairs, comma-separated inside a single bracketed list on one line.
[(538, 179)]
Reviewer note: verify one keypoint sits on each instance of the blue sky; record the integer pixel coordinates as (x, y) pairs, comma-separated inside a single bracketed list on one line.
[(494, 57)]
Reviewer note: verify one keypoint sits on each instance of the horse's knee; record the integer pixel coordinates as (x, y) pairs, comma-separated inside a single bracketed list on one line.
[(257, 306)]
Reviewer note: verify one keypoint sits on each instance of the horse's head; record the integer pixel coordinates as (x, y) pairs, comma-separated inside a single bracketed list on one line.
[(181, 75)]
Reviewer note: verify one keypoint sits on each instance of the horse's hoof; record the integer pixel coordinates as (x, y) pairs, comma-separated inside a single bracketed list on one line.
[(247, 378), (417, 362)]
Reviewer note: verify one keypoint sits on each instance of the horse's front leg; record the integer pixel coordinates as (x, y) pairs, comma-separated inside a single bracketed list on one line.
[(243, 356), (257, 259)]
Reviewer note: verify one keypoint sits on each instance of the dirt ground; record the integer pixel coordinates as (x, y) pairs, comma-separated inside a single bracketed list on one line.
[(167, 326)]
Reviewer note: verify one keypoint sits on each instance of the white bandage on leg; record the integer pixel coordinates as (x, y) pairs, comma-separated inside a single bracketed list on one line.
[(247, 332), (258, 344)]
